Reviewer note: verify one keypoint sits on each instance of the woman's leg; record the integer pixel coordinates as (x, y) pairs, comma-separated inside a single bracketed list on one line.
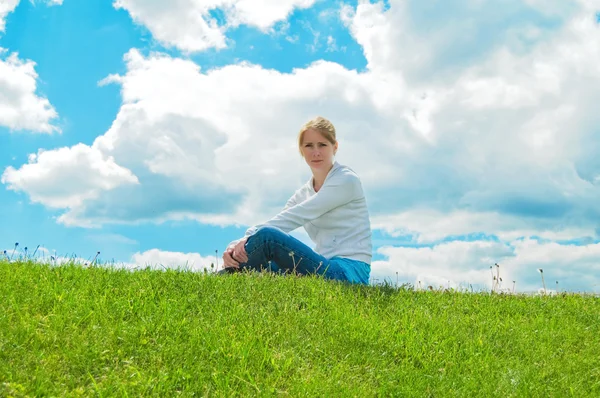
[(289, 255), (356, 271)]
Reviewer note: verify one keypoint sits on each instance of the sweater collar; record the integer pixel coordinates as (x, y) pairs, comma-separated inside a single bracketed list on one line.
[(311, 187)]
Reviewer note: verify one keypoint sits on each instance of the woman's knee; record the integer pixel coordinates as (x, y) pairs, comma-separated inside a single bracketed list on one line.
[(268, 232)]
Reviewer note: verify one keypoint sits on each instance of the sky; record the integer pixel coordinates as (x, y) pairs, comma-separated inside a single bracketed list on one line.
[(156, 132)]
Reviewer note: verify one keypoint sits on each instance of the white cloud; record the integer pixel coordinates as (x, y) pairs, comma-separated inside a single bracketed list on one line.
[(451, 264), (43, 255), (6, 7), (189, 25), (67, 177), (261, 13), (180, 129), (331, 44), (158, 259), (427, 226), (451, 137), (21, 108), (428, 45), (198, 154), (466, 265), (151, 259)]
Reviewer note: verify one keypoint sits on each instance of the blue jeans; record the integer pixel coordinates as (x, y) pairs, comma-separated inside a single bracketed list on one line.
[(272, 250)]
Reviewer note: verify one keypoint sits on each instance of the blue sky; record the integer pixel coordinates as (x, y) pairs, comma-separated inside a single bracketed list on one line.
[(473, 140), (75, 46)]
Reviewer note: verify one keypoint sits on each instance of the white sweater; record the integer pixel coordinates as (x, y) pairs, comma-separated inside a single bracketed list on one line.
[(336, 218)]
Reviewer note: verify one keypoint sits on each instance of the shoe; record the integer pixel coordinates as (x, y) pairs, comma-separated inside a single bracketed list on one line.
[(228, 270)]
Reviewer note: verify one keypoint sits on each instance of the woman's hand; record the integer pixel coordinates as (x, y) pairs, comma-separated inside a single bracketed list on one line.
[(239, 251), (228, 260), (234, 255)]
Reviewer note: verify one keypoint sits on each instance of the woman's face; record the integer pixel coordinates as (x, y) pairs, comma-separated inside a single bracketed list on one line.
[(318, 152)]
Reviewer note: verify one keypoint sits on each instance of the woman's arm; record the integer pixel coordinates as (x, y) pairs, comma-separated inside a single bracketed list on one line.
[(228, 253), (337, 191)]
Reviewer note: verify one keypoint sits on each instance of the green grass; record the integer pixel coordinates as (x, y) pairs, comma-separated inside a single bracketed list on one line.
[(72, 331)]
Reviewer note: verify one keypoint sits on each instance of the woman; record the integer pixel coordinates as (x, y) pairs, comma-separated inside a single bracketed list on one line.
[(332, 208)]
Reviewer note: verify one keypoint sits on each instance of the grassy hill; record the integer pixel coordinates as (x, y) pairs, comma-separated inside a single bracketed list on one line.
[(75, 331)]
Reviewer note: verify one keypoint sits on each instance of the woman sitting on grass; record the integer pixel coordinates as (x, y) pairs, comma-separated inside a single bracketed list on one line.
[(331, 207)]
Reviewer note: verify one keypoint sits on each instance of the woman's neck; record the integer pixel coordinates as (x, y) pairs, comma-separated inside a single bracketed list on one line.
[(319, 177)]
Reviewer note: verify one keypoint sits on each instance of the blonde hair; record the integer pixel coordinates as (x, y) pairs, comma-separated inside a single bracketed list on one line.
[(322, 125)]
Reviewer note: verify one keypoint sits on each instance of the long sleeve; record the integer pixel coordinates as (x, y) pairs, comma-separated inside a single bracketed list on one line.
[(290, 203), (337, 191), (336, 217)]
